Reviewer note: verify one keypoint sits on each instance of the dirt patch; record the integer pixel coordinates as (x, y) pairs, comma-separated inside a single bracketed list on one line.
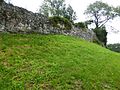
[(6, 63), (78, 85)]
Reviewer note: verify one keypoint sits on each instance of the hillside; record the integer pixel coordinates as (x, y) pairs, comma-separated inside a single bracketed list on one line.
[(56, 62)]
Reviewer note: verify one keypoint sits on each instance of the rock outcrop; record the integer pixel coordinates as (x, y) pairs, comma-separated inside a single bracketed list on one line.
[(15, 19)]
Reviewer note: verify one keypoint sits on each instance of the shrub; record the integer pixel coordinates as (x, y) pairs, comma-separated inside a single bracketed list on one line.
[(97, 42), (60, 22), (1, 1), (101, 34), (114, 47), (81, 25)]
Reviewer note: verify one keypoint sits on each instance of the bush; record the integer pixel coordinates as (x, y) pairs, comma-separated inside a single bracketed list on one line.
[(114, 47), (95, 40), (60, 22), (101, 34), (1, 1), (81, 25)]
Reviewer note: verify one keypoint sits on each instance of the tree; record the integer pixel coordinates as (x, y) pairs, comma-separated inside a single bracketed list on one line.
[(70, 14), (52, 7), (117, 10), (57, 8), (100, 13), (44, 9)]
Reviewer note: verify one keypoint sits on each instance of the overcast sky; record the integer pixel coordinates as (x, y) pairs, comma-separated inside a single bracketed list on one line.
[(79, 6)]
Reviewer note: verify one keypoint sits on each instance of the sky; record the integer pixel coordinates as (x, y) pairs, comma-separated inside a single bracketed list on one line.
[(79, 6)]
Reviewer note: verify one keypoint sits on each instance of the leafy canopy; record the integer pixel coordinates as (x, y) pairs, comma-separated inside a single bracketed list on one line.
[(57, 8), (100, 13)]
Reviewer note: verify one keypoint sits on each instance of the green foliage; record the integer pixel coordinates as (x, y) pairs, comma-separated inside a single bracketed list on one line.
[(100, 13), (117, 10), (69, 13), (114, 47), (57, 8), (97, 42), (81, 25), (52, 7), (56, 62), (1, 1), (60, 22), (101, 34)]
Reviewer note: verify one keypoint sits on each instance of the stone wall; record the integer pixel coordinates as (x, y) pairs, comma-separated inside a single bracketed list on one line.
[(15, 19)]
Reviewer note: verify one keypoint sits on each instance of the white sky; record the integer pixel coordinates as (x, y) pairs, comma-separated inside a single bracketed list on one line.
[(79, 6)]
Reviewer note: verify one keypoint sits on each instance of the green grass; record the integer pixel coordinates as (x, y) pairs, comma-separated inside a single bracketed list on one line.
[(56, 62)]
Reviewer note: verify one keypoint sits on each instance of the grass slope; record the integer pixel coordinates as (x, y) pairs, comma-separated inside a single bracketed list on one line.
[(56, 62)]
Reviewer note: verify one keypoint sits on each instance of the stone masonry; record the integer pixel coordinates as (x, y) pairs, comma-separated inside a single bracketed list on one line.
[(15, 19)]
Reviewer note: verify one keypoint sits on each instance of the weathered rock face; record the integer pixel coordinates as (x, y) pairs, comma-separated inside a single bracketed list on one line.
[(14, 19)]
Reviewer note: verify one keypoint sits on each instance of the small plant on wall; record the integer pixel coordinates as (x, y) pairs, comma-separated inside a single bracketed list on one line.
[(60, 22)]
